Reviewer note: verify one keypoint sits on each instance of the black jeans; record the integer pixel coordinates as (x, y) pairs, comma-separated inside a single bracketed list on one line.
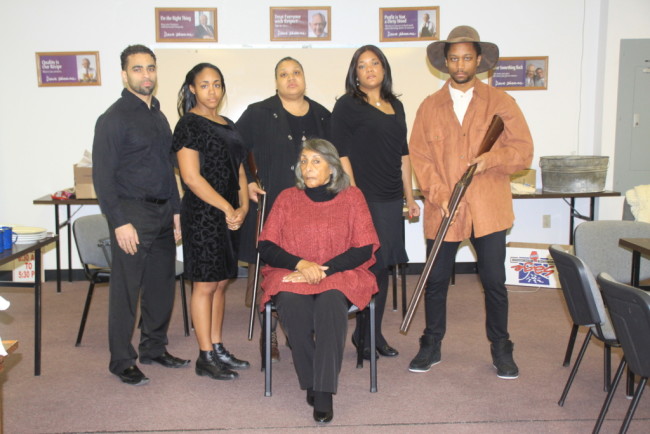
[(491, 253)]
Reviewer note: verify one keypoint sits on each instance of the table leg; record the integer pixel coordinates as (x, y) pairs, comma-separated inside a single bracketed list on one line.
[(37, 313), (571, 219), (636, 267), (58, 249), (67, 223)]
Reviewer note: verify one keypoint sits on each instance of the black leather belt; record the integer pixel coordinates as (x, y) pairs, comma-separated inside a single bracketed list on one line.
[(156, 201), (148, 199)]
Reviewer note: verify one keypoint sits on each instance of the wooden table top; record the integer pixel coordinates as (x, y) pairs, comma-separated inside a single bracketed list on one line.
[(641, 245)]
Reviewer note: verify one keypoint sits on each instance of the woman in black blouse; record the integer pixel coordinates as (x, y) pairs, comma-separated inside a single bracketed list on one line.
[(369, 126), (274, 130)]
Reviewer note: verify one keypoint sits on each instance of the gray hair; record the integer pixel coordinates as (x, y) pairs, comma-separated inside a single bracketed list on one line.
[(339, 180)]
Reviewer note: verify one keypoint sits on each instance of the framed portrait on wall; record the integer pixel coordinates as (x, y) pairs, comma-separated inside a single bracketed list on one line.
[(302, 23), (186, 25), (72, 68), (409, 24), (520, 73)]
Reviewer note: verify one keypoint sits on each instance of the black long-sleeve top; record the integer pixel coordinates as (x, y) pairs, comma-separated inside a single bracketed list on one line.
[(276, 256), (132, 156)]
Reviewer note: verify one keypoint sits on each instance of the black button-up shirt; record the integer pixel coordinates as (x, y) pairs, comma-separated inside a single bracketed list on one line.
[(132, 156)]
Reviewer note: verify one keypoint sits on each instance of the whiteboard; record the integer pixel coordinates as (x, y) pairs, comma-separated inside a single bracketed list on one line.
[(249, 75)]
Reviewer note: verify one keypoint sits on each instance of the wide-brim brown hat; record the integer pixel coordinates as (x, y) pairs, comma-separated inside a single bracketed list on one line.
[(489, 51)]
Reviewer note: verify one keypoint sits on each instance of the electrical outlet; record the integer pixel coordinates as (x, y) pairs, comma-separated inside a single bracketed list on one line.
[(546, 221)]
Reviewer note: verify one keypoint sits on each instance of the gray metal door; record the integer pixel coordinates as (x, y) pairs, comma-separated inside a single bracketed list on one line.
[(632, 155)]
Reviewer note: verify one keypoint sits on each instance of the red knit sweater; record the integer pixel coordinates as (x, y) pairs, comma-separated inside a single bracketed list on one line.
[(318, 231)]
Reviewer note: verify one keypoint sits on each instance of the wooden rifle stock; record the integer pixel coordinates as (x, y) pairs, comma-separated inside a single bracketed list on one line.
[(491, 136), (261, 210)]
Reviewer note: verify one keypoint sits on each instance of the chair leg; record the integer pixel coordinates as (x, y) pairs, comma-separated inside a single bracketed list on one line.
[(186, 322), (575, 369), (402, 270), (373, 345), (267, 350), (395, 286), (569, 347), (361, 341), (629, 386), (607, 368), (84, 316), (610, 395), (633, 405)]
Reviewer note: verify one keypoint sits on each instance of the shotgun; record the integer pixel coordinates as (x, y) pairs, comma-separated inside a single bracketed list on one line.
[(261, 210), (491, 136)]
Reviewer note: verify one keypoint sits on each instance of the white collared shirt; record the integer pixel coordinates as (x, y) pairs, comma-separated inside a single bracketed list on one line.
[(461, 101)]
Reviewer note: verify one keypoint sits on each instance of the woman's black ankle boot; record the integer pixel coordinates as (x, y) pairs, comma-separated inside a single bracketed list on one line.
[(209, 365)]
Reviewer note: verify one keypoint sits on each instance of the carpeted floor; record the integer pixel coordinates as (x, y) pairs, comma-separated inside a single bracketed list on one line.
[(76, 393)]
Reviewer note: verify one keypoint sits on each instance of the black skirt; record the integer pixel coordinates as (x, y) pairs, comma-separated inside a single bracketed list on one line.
[(389, 224)]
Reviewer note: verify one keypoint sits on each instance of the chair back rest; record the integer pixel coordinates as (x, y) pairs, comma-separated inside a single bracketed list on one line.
[(579, 287), (596, 243), (88, 231), (629, 308)]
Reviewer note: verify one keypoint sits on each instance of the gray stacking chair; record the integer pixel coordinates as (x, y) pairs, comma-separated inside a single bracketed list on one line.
[(88, 232), (586, 307), (596, 243), (92, 238), (629, 309), (269, 308)]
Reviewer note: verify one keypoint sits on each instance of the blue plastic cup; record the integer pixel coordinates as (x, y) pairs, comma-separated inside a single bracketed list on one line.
[(2, 240), (9, 238)]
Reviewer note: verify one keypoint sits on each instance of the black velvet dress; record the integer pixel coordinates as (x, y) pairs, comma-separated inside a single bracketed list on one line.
[(209, 247)]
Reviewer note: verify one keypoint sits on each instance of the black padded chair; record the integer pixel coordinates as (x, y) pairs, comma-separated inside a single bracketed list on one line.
[(629, 309), (269, 308), (596, 243), (92, 238), (586, 307)]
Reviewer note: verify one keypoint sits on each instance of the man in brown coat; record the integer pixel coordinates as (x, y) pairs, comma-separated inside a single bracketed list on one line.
[(448, 129)]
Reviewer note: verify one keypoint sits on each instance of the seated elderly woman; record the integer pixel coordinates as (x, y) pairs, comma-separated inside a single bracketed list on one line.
[(318, 243)]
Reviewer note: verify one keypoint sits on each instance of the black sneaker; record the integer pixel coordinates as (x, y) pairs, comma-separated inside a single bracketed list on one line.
[(428, 355), (502, 359)]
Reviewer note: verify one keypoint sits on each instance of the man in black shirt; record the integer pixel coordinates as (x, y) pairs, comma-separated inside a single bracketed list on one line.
[(134, 179)]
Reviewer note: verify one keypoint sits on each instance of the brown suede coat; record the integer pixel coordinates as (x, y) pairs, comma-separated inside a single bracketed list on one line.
[(441, 149)]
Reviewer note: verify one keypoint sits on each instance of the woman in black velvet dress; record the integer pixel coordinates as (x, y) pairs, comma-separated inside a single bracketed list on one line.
[(210, 154)]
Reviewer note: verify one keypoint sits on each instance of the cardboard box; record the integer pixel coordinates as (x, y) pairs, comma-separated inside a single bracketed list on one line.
[(83, 183), (531, 264), (526, 177)]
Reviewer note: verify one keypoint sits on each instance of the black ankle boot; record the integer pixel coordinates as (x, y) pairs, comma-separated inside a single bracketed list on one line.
[(228, 359), (323, 407), (209, 365)]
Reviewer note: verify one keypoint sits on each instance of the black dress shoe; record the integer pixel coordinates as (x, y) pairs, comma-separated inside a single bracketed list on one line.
[(165, 359), (323, 416), (310, 397), (133, 376), (387, 351), (323, 407)]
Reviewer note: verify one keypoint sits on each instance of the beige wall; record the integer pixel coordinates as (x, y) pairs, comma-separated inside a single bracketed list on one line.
[(43, 131)]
